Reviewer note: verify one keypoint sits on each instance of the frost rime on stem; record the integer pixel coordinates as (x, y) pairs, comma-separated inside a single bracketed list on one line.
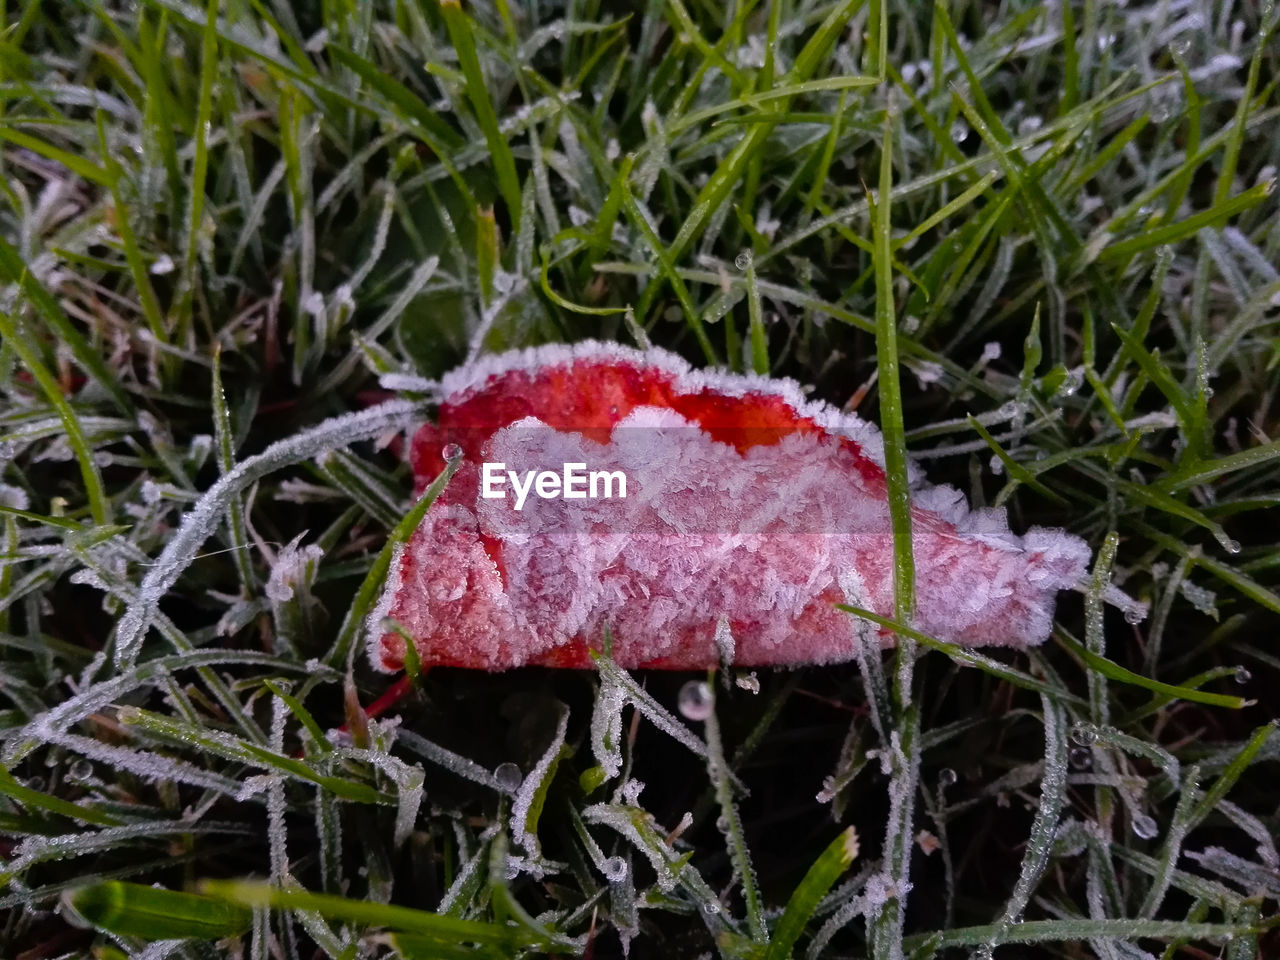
[(529, 788), (203, 519)]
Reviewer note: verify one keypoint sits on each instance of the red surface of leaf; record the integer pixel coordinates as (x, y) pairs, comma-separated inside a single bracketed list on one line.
[(746, 502)]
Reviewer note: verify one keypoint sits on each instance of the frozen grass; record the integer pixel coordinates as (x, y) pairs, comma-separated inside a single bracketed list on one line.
[(226, 228)]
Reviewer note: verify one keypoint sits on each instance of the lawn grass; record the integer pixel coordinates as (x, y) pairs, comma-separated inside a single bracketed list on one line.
[(1039, 245)]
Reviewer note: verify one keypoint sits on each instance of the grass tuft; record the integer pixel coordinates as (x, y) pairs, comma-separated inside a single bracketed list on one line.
[(1039, 245)]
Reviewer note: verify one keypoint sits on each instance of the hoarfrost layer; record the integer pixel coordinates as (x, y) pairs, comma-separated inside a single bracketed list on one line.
[(748, 504)]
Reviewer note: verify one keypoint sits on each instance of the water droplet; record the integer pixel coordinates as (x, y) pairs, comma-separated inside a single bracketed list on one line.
[(1161, 110), (959, 131), (1231, 546), (1135, 615), (508, 776), (1208, 392), (1081, 758), (947, 777), (1243, 675), (711, 908), (695, 700), (36, 783), (451, 452), (80, 770), (1084, 734), (722, 824), (743, 260), (1029, 125), (1181, 46), (614, 869), (1144, 826)]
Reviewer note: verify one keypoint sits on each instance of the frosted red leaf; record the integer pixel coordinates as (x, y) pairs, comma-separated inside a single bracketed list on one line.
[(748, 506)]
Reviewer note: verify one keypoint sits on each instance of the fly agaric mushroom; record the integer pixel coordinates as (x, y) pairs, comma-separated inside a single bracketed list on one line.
[(747, 506)]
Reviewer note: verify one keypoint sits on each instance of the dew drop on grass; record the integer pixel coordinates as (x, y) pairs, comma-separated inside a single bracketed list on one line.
[(743, 260), (1081, 758), (1231, 546), (711, 908), (614, 869), (947, 777), (722, 824), (1243, 675), (1084, 734), (1161, 110), (451, 452), (80, 770), (508, 776), (1144, 826), (695, 701), (1134, 615)]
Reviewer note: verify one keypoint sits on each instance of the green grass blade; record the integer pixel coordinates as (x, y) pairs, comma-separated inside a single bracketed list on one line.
[(225, 441), (819, 878), (667, 270), (99, 504), (963, 655), (759, 339), (199, 168), (464, 44), (407, 104), (378, 915), (36, 800), (60, 325), (895, 443), (1113, 671), (77, 164), (1075, 930), (1180, 230), (136, 910)]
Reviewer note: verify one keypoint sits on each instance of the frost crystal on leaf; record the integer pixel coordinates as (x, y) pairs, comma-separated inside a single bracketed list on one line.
[(292, 567), (749, 509), (606, 729), (528, 792)]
